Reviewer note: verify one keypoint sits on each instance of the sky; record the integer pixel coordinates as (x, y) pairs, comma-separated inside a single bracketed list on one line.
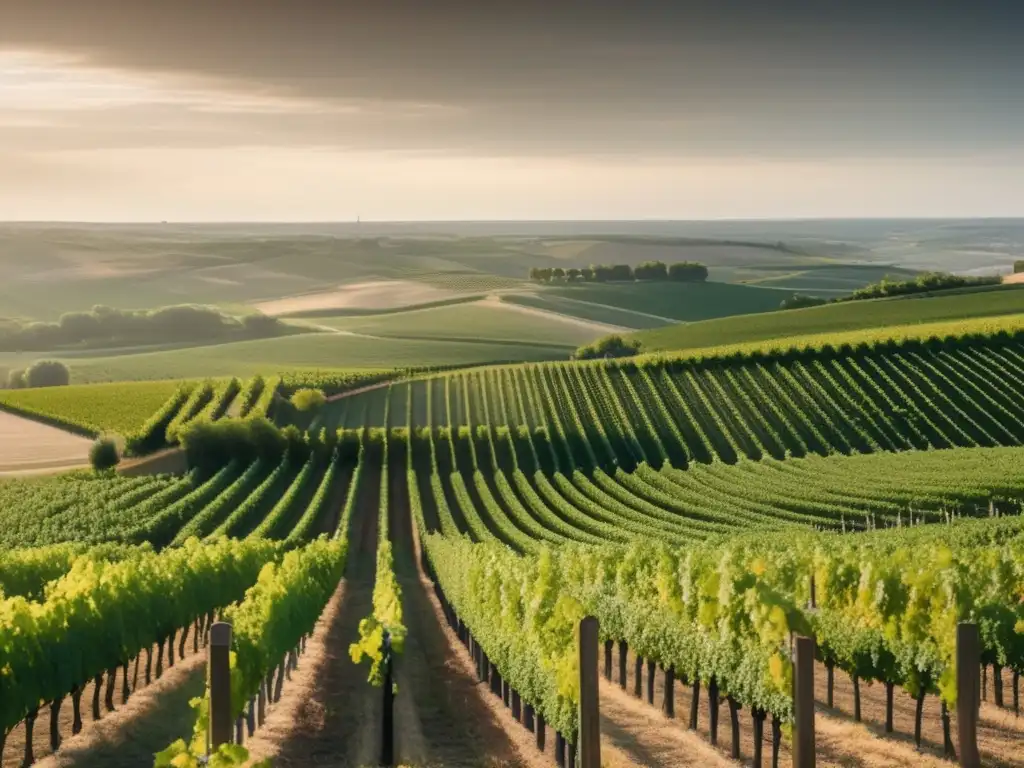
[(325, 110)]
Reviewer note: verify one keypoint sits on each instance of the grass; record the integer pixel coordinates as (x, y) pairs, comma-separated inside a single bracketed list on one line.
[(827, 280), (304, 352), (645, 305), (485, 320), (911, 332), (835, 319), (591, 313), (98, 408)]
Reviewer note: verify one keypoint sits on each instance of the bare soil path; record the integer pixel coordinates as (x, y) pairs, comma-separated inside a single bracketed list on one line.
[(155, 715), (443, 715), (329, 715), (30, 447)]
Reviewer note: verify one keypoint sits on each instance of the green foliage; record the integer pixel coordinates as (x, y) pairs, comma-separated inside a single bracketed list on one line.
[(333, 382), (801, 301), (1018, 266), (308, 401), (282, 606), (16, 379), (211, 445), (47, 373), (688, 272), (650, 270), (152, 435), (387, 595), (608, 347), (924, 283), (100, 614), (108, 327), (985, 310), (128, 409), (198, 399), (104, 454)]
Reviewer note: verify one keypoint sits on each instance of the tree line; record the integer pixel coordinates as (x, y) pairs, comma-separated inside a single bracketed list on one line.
[(683, 271), (925, 283), (106, 326)]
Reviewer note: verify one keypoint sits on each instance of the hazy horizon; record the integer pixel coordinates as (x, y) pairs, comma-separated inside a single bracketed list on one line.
[(315, 111)]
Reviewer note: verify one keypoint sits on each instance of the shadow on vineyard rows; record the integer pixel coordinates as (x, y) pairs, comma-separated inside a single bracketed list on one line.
[(335, 718), (127, 735), (441, 714)]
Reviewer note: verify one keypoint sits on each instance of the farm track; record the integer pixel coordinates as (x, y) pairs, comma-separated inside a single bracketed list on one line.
[(128, 737), (330, 715), (443, 716), (28, 446)]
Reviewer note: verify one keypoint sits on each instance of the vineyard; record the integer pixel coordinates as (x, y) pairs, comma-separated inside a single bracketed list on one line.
[(704, 510), (963, 391)]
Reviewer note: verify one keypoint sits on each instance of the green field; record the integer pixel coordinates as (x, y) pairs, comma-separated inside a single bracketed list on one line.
[(651, 304), (825, 280), (484, 321), (94, 409), (302, 352), (836, 318)]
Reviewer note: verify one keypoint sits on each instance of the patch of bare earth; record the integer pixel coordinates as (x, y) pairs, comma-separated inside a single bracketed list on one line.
[(28, 447), (128, 737), (443, 715), (840, 740), (329, 715), (1017, 277), (495, 302), (999, 732), (376, 294), (621, 708)]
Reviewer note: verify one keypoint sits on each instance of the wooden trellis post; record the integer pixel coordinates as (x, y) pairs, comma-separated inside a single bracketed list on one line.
[(968, 693), (220, 685), (803, 703), (589, 739)]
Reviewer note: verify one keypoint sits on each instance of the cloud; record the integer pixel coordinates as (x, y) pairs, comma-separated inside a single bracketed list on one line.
[(643, 78)]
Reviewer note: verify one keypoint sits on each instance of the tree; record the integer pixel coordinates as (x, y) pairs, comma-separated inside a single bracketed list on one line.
[(799, 301), (688, 272), (621, 272), (308, 400), (609, 346), (1018, 267), (540, 274), (651, 270), (601, 273), (16, 379), (48, 373), (557, 273), (104, 454), (573, 274), (259, 325)]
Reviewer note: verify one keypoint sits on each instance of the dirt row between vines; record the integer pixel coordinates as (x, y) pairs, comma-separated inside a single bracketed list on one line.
[(840, 740), (631, 733), (329, 715), (155, 715)]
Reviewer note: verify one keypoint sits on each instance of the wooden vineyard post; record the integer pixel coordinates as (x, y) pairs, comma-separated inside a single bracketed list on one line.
[(968, 690), (220, 685), (589, 739), (803, 703), (388, 730)]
